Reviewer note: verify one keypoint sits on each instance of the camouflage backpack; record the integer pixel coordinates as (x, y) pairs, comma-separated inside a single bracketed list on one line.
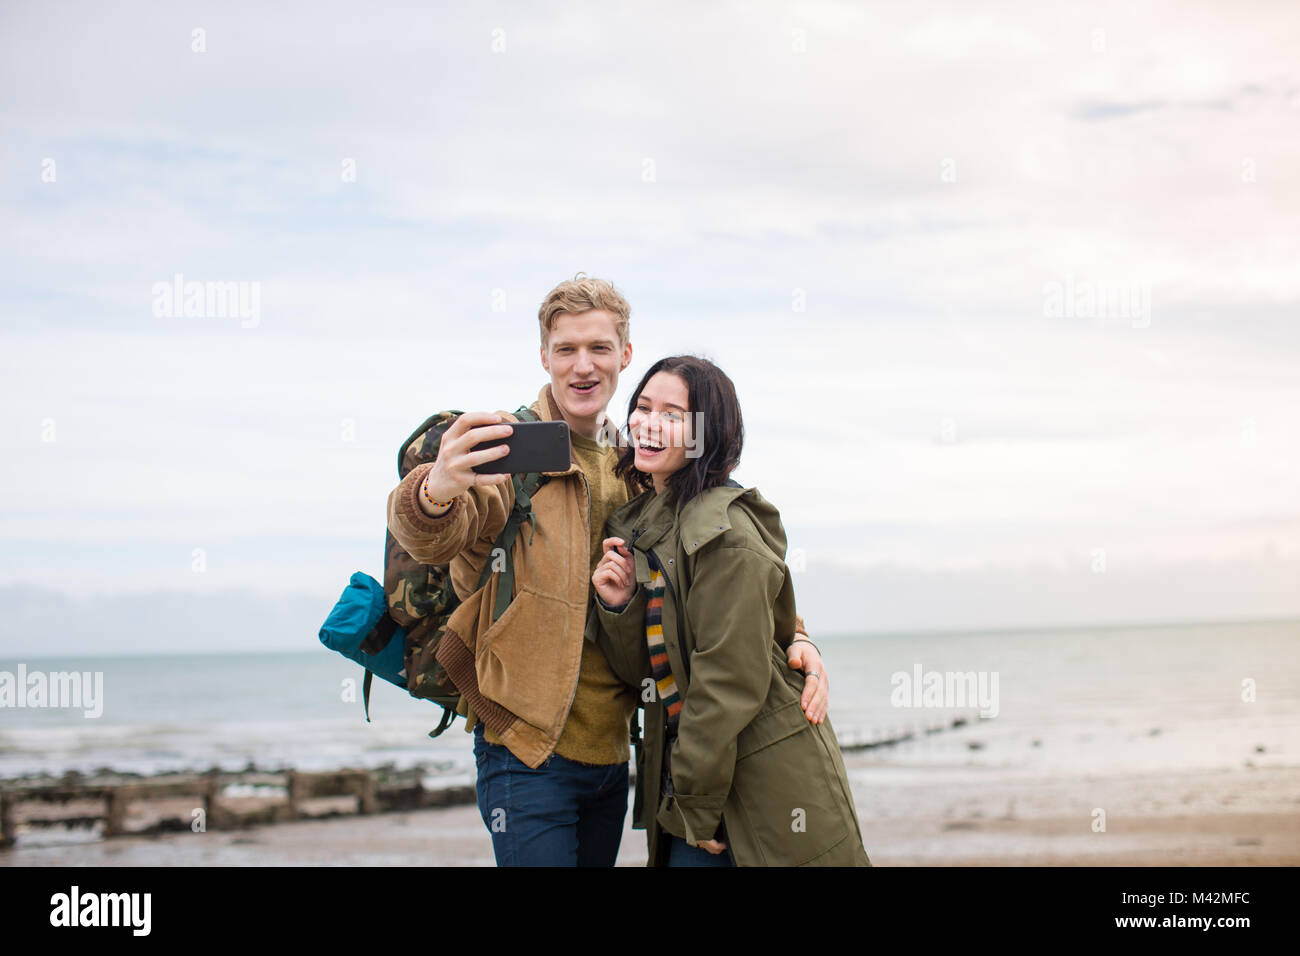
[(420, 597)]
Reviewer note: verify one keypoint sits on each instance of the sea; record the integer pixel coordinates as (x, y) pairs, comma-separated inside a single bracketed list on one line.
[(1100, 700)]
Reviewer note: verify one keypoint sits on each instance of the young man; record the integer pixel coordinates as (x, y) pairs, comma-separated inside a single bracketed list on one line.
[(550, 719)]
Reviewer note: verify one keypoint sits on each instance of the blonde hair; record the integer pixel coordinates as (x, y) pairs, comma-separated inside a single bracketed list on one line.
[(582, 294)]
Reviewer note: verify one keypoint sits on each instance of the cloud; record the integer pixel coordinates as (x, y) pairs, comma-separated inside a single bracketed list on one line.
[(857, 211)]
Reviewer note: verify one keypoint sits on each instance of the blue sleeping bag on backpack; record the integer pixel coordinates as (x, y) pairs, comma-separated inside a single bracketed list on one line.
[(361, 610)]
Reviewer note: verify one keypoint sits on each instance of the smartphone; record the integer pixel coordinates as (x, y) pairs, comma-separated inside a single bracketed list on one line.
[(534, 446)]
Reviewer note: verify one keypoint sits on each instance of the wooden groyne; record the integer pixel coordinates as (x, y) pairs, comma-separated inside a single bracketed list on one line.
[(212, 800), (892, 737), (74, 801)]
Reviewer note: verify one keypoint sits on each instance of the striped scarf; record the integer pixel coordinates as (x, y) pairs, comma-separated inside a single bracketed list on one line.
[(654, 638)]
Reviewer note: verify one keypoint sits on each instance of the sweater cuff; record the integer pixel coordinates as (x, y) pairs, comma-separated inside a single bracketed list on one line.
[(408, 505), (606, 608)]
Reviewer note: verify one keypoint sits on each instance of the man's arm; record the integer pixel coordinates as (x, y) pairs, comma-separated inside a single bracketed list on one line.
[(802, 655), (475, 515), (421, 521)]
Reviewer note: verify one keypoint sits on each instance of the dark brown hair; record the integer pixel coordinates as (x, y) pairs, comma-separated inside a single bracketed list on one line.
[(714, 406)]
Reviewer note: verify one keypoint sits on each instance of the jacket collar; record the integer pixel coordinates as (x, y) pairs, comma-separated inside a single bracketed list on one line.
[(703, 519), (546, 407), (548, 410), (654, 519), (707, 515)]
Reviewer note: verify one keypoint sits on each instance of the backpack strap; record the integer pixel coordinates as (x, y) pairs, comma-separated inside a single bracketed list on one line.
[(525, 487), (448, 715)]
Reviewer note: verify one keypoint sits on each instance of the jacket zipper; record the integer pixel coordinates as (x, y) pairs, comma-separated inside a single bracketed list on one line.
[(668, 777), (573, 694)]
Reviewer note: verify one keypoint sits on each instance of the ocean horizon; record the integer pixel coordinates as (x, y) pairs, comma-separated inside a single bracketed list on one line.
[(1097, 699)]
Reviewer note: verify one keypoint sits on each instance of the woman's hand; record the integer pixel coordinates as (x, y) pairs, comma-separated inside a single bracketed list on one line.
[(713, 846), (803, 656), (615, 577)]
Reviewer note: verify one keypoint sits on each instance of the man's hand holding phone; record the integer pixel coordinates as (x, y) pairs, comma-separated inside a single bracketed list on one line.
[(453, 470)]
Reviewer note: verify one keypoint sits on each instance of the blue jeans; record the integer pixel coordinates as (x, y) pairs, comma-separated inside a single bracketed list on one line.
[(563, 813), (681, 853)]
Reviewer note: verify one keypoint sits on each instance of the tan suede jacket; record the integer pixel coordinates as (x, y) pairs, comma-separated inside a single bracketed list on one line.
[(519, 675)]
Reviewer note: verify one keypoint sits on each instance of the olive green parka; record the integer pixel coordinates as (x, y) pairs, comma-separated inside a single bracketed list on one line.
[(745, 755)]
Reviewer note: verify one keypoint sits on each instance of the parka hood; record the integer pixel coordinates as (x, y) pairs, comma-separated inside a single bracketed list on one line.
[(712, 513), (707, 515)]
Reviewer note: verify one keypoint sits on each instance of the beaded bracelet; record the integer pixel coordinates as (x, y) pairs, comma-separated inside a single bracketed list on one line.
[(424, 489)]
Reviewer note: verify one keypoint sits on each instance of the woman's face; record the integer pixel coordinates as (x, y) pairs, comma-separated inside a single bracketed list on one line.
[(660, 427)]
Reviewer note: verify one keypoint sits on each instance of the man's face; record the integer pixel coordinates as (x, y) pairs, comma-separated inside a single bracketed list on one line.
[(584, 358)]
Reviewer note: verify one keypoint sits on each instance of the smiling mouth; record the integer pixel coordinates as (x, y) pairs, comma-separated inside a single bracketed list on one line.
[(584, 388)]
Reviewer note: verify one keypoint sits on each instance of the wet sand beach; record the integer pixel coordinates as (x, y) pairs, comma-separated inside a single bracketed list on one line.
[(910, 817)]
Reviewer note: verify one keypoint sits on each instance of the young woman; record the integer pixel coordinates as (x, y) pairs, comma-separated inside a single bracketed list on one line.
[(696, 609)]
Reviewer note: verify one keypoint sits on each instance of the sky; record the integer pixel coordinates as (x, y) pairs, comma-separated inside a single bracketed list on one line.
[(1008, 291)]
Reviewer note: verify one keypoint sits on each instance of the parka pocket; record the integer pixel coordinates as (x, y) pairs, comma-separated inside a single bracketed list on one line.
[(787, 790), (769, 727), (524, 659)]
